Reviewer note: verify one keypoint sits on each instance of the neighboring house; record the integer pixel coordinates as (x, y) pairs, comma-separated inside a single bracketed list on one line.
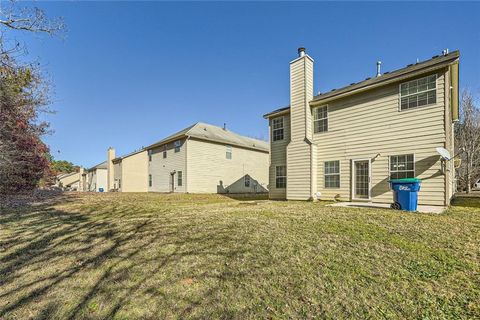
[(131, 172), (68, 181), (348, 143), (207, 159), (96, 177)]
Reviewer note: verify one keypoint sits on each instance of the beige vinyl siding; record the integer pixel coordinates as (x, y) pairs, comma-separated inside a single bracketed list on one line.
[(450, 142), (97, 179), (135, 172), (209, 171), (117, 175), (278, 157), (299, 151), (370, 126), (160, 168), (72, 180)]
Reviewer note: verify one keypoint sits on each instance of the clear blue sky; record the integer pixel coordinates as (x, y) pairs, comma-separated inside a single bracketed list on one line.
[(128, 74)]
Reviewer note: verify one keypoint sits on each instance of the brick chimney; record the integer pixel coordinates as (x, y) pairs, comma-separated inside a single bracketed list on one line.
[(301, 153), (110, 173)]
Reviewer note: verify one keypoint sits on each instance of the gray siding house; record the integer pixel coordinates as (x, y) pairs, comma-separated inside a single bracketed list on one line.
[(348, 143), (204, 158)]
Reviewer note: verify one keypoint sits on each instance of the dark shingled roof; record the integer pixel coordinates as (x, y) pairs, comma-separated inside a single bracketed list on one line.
[(387, 77)]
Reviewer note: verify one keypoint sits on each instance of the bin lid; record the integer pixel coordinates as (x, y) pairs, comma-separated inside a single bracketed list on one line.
[(406, 180)]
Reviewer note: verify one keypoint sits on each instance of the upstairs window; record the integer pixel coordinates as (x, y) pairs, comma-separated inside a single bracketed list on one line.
[(402, 166), (247, 181), (417, 93), (149, 155), (320, 119), (228, 152), (277, 129), (332, 174), (164, 151), (177, 145), (280, 177)]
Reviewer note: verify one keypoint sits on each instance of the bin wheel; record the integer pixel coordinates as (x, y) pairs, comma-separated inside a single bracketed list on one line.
[(395, 206)]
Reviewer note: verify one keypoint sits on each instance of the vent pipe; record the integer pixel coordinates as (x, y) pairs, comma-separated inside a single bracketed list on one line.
[(379, 63), (301, 51)]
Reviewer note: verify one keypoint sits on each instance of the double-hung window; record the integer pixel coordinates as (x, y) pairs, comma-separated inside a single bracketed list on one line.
[(177, 145), (149, 155), (402, 166), (164, 151), (179, 178), (332, 174), (247, 181), (280, 177), (419, 92), (277, 129), (320, 119), (228, 152), (150, 180)]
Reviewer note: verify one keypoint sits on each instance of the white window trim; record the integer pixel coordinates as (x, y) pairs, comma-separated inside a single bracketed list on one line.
[(283, 127), (228, 149), (333, 174), (401, 154), (313, 119), (285, 176), (370, 178), (245, 181), (178, 178), (424, 106)]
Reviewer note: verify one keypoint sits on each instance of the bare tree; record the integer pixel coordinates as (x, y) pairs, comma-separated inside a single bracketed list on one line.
[(468, 141)]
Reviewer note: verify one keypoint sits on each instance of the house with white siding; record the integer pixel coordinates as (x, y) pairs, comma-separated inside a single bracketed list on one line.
[(203, 158), (348, 143), (96, 178)]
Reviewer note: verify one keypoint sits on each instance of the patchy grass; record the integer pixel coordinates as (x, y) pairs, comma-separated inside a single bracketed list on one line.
[(131, 256)]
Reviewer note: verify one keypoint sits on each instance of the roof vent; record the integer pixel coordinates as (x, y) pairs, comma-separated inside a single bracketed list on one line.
[(379, 64), (224, 126)]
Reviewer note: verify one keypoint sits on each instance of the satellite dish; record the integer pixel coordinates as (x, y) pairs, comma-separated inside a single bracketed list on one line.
[(444, 153)]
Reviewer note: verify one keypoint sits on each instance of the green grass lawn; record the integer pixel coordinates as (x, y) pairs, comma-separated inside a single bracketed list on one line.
[(129, 256)]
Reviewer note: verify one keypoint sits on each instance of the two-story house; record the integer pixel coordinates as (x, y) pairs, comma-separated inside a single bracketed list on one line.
[(203, 158), (348, 143)]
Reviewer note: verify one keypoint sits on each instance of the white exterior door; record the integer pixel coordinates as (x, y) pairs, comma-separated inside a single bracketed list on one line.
[(361, 179)]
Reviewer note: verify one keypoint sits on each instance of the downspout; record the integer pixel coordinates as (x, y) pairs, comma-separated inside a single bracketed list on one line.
[(185, 178)]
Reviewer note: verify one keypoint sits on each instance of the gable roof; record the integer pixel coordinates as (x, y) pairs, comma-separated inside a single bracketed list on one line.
[(102, 165), (435, 63), (117, 159), (208, 132), (64, 175)]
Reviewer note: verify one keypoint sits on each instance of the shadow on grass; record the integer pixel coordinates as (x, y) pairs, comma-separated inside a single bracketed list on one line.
[(466, 201), (47, 254)]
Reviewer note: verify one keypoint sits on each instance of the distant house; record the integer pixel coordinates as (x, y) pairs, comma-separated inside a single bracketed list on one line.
[(348, 143), (68, 181), (95, 178), (131, 172), (207, 159)]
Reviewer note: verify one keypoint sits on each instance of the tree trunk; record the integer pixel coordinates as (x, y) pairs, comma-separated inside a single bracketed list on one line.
[(469, 174)]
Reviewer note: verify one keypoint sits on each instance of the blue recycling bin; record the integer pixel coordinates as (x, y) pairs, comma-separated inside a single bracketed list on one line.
[(405, 193)]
